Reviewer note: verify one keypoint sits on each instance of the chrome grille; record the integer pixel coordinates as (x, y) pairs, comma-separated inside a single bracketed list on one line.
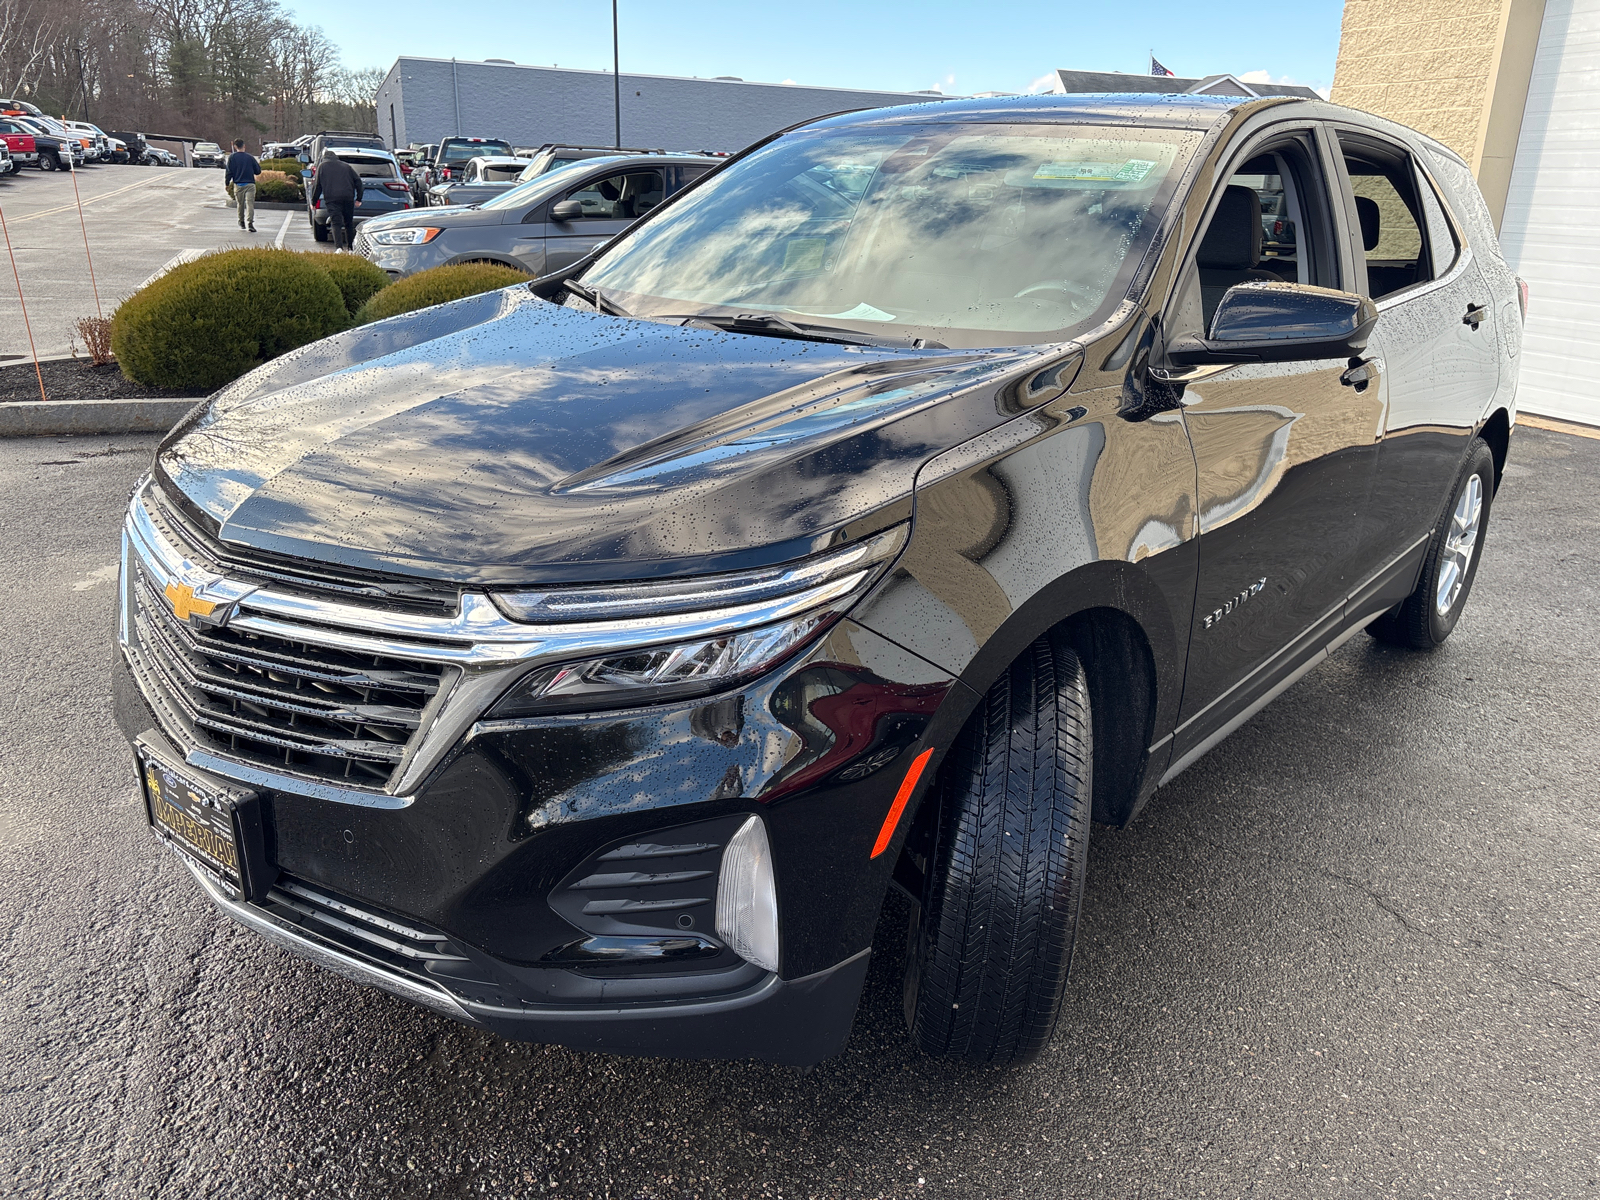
[(291, 705)]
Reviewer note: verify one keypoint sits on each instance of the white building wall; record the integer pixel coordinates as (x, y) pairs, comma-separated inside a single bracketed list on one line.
[(528, 106), (1551, 231)]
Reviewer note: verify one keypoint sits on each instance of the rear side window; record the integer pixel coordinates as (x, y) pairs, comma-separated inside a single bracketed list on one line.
[(1403, 242)]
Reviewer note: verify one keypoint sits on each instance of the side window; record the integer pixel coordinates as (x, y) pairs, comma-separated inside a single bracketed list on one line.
[(625, 196), (1389, 208), (1269, 225)]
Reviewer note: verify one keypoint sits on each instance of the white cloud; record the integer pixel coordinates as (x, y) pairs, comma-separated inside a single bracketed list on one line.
[(1281, 80), (1045, 83)]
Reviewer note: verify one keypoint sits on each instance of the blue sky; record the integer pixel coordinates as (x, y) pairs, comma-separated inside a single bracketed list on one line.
[(958, 47)]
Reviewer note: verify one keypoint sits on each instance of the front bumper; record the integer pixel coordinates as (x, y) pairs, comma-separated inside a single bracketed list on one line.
[(484, 850), (796, 1022)]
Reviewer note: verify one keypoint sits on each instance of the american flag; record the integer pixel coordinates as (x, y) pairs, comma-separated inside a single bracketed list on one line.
[(1156, 68)]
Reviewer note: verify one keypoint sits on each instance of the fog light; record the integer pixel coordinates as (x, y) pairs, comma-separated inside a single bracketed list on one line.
[(747, 901)]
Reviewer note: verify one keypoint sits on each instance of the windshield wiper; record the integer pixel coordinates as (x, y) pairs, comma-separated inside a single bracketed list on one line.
[(595, 297), (773, 325)]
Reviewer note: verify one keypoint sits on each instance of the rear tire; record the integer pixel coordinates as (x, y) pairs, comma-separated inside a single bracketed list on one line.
[(987, 964), (320, 232), (1425, 618)]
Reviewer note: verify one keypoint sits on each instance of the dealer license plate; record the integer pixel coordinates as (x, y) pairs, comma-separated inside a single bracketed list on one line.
[(196, 815)]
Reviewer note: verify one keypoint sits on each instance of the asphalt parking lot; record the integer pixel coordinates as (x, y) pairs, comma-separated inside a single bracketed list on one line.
[(137, 220), (1351, 953)]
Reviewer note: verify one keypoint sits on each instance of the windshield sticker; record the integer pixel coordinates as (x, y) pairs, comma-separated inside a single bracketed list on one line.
[(802, 255), (1130, 171)]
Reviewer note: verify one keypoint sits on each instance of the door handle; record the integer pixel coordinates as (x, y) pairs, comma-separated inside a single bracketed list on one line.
[(1361, 372), (1476, 315)]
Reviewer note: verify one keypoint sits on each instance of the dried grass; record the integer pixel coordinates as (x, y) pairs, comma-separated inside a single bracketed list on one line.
[(96, 335)]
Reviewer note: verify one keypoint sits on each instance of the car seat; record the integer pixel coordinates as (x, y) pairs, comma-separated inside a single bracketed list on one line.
[(1231, 248)]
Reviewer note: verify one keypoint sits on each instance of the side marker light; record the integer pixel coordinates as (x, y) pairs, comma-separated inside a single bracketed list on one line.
[(907, 786)]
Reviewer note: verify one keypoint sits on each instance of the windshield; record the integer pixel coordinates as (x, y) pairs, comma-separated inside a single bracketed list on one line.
[(463, 152), (971, 235), (208, 148), (537, 188)]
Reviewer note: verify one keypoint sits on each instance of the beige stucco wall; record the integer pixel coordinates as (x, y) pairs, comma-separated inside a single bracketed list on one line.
[(1455, 69)]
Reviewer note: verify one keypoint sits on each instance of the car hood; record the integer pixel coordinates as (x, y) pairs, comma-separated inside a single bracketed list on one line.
[(504, 440), (443, 218)]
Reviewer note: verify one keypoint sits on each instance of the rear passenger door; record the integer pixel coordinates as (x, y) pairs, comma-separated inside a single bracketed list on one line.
[(1284, 451), (610, 205), (1435, 338)]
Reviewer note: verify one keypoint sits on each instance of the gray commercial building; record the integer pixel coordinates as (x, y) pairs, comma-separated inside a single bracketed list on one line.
[(425, 99)]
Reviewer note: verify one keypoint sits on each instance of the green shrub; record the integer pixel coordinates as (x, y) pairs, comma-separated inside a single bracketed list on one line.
[(289, 166), (209, 321), (438, 285), (357, 278), (280, 190)]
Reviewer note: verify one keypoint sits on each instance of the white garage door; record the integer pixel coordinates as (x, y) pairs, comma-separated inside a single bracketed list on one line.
[(1551, 230)]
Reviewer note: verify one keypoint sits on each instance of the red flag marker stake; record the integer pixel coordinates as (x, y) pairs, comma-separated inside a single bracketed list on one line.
[(86, 253), (25, 322)]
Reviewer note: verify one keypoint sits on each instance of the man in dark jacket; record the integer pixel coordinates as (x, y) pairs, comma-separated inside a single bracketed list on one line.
[(242, 171), (339, 188)]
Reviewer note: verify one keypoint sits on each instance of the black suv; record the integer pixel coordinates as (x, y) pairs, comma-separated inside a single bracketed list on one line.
[(585, 660)]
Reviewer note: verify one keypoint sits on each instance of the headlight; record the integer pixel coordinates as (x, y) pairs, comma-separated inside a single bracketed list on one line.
[(410, 236), (729, 628)]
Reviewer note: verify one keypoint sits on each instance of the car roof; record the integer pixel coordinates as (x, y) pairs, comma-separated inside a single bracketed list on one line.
[(1172, 111), (497, 159), (341, 151)]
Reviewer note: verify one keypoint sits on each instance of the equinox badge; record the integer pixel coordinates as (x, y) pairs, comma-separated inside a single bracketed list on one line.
[(1233, 602)]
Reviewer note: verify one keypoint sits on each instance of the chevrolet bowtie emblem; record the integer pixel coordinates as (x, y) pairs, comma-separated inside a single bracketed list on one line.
[(184, 605)]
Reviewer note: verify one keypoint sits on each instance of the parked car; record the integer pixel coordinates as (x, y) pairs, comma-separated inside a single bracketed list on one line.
[(555, 154), (384, 191), (135, 143), (521, 227), (317, 143), (57, 152), (99, 147), (483, 178), (118, 150), (7, 165), (19, 143), (586, 660), (208, 154), (454, 153), (420, 176)]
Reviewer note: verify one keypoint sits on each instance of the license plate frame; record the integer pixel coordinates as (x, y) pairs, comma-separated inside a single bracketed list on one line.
[(210, 822)]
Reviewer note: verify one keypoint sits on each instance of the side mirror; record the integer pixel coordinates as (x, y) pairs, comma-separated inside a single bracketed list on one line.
[(1279, 322), (304, 158), (566, 210)]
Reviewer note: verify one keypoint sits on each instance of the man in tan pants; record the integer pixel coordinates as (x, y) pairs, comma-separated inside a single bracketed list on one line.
[(242, 171)]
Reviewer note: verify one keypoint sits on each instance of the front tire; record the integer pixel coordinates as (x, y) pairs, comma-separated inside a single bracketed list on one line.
[(1425, 618), (987, 964), (49, 162)]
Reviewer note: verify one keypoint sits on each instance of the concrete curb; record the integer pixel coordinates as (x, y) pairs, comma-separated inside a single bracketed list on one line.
[(42, 418)]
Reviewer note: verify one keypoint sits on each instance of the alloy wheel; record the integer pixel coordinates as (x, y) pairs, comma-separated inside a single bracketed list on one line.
[(1460, 544)]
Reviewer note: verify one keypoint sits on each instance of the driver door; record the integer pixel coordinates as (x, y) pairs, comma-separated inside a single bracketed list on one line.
[(1284, 452)]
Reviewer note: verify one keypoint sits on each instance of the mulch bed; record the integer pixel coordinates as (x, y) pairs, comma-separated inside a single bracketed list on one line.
[(75, 379)]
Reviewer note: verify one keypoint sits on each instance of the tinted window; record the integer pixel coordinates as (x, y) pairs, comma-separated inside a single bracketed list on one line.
[(372, 168)]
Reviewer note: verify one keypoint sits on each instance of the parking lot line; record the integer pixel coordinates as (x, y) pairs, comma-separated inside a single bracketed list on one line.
[(45, 212), (178, 259), (283, 231)]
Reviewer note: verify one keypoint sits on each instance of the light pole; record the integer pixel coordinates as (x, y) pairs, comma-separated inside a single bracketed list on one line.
[(616, 75)]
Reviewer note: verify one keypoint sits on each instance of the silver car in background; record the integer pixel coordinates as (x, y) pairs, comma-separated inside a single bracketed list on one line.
[(485, 178), (540, 226)]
